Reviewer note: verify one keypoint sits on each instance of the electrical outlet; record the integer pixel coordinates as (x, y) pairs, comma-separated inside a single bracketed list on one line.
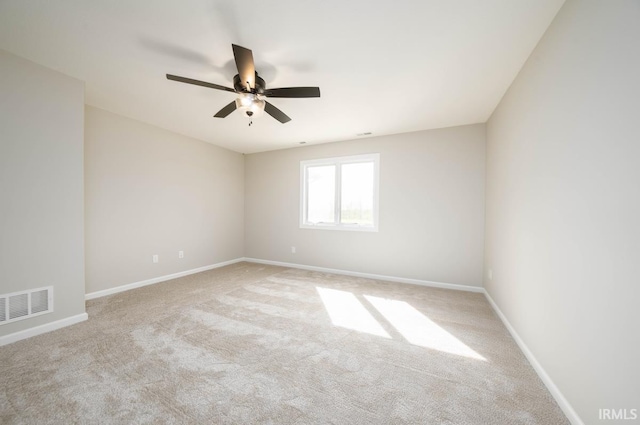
[(293, 249), (490, 273), (180, 254), (155, 258)]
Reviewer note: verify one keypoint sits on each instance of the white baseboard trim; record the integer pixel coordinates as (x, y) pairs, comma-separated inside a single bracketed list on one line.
[(546, 379), (370, 275), (134, 285), (38, 330)]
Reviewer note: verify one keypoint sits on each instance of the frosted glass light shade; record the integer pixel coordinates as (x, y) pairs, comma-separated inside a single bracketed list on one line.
[(248, 102)]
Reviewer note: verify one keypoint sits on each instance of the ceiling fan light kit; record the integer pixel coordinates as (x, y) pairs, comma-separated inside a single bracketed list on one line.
[(250, 105), (251, 89)]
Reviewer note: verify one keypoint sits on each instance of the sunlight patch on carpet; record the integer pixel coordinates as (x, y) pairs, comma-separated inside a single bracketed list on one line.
[(346, 311), (418, 329)]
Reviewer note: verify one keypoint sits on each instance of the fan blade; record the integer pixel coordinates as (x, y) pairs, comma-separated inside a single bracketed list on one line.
[(293, 92), (276, 113), (199, 83), (246, 69), (226, 110)]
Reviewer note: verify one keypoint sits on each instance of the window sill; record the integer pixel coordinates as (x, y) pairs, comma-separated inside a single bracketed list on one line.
[(339, 227)]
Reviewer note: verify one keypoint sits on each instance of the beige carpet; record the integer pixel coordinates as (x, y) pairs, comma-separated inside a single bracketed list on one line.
[(249, 344)]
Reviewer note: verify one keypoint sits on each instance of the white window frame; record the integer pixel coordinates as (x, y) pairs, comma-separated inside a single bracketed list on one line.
[(338, 162)]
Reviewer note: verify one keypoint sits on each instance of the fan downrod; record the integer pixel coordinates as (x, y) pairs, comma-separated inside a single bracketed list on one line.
[(241, 88)]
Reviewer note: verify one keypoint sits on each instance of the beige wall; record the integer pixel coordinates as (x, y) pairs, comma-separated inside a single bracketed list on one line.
[(41, 195), (150, 191), (563, 204), (431, 208)]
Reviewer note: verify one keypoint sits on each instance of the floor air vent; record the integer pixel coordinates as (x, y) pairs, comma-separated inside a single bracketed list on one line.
[(25, 304)]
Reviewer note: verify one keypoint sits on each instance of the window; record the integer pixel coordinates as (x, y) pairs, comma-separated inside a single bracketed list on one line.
[(340, 193)]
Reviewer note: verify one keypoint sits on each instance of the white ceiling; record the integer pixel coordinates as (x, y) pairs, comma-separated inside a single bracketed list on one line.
[(382, 66)]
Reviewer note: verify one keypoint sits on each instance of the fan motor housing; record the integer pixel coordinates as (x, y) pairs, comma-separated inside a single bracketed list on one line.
[(258, 89)]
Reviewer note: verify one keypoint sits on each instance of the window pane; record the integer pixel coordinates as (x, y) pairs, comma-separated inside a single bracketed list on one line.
[(357, 194), (321, 199)]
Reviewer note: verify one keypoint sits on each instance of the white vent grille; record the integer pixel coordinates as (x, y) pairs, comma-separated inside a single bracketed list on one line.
[(39, 301), (25, 304), (18, 306)]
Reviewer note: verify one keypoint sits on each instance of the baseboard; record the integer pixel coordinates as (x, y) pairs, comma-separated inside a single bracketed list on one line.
[(38, 330), (134, 285), (546, 379), (369, 275)]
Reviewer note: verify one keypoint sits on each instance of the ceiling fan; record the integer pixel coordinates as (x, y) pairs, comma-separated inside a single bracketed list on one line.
[(251, 89)]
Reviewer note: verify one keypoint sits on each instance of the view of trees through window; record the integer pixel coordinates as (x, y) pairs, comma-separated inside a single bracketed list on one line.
[(340, 192), (356, 205)]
